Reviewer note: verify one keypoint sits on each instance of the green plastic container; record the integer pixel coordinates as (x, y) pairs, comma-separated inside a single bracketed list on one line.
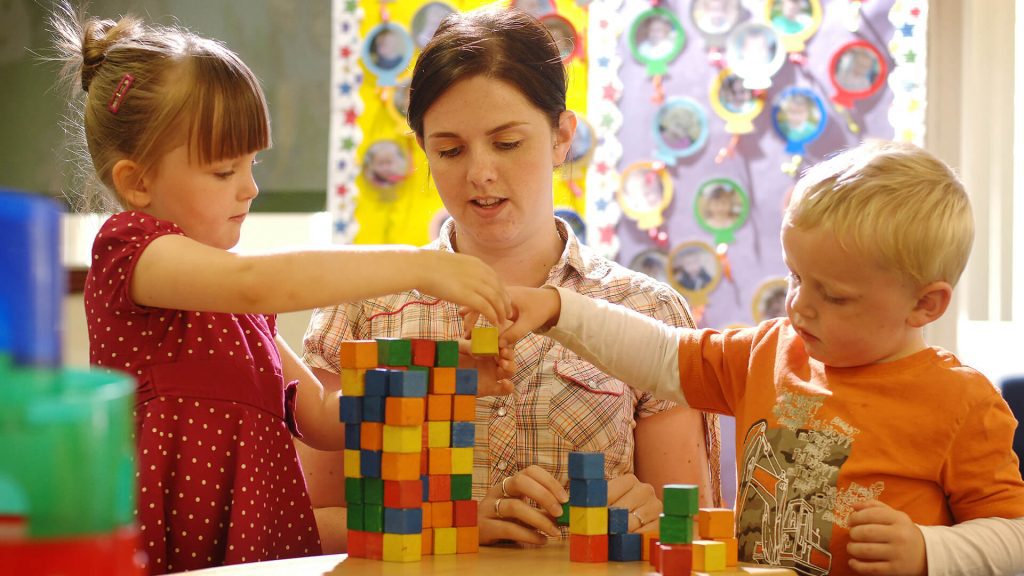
[(67, 459)]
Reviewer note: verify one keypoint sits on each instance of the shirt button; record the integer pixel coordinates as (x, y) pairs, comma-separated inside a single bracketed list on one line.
[(502, 465), (502, 411)]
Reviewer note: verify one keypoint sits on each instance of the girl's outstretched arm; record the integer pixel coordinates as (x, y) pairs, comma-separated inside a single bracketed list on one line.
[(179, 273), (317, 413)]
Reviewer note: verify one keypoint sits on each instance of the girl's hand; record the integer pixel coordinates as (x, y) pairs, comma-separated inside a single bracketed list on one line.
[(464, 280), (884, 540), (639, 498), (494, 373), (504, 514)]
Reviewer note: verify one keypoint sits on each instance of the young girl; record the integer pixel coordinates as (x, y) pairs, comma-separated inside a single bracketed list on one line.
[(173, 124)]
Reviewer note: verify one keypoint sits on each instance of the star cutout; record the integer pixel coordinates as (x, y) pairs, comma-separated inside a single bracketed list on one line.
[(345, 52), (603, 62), (340, 226), (607, 121), (351, 117), (915, 12), (910, 56), (601, 204), (602, 168), (607, 234), (347, 144), (907, 30), (341, 190), (609, 92), (351, 6), (342, 165), (345, 88)]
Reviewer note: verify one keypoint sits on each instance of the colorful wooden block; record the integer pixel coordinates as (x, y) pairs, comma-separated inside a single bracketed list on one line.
[(625, 547), (428, 541), (586, 465), (357, 543), (731, 550), (563, 520), (401, 411), (371, 436), (463, 434), (423, 352), (484, 341), (351, 462), (427, 508), (439, 488), (374, 545), (353, 381), (352, 436), (373, 491), (439, 461), (350, 409), (369, 463), (442, 514), (462, 460), (467, 540), (375, 382), (447, 353), (681, 499), (407, 383), (439, 407), (588, 521), (464, 512), (402, 547), (462, 486), (445, 541), (618, 520), (403, 520), (403, 493), (373, 408), (439, 434), (588, 493), (675, 560), (650, 541), (353, 491), (588, 548), (402, 438), (357, 354), (400, 466), (463, 408), (442, 380), (708, 555), (373, 518), (394, 352), (675, 529), (466, 380), (354, 519), (716, 523)]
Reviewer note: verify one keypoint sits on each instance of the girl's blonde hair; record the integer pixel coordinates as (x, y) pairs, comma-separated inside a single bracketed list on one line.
[(175, 88), (894, 201)]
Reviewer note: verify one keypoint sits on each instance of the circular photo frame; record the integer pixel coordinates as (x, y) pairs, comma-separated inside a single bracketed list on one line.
[(858, 70), (537, 8), (721, 207), (387, 52), (680, 129), (584, 141), (645, 192), (656, 37), (575, 221), (734, 102), (714, 19), (753, 52), (564, 34), (652, 262), (694, 269), (770, 300), (426, 20), (386, 164), (799, 117), (795, 21)]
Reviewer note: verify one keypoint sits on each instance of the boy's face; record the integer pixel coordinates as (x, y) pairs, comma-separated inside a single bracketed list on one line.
[(847, 309)]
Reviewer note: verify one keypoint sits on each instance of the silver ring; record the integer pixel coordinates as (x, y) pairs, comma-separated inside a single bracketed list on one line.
[(497, 503), (504, 492), (638, 518)]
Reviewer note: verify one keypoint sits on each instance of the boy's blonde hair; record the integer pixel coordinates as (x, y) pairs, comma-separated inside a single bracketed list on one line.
[(184, 89), (894, 201)]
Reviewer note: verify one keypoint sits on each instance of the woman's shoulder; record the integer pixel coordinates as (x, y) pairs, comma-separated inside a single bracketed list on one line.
[(607, 280)]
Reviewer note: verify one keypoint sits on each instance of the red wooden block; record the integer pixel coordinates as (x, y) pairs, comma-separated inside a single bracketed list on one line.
[(403, 493), (423, 352), (439, 488), (588, 548), (650, 541), (676, 559), (357, 543), (374, 545), (465, 513)]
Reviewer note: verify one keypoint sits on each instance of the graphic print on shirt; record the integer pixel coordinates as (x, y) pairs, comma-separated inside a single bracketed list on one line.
[(788, 501)]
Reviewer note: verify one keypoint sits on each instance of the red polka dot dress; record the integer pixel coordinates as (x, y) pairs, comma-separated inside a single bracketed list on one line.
[(218, 477)]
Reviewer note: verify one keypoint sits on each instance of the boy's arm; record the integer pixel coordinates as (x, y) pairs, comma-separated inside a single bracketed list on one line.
[(981, 546)]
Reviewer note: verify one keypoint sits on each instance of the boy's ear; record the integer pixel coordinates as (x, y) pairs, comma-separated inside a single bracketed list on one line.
[(129, 184), (932, 301)]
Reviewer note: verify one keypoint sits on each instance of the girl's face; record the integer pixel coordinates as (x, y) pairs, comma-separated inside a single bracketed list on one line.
[(208, 202), (491, 153)]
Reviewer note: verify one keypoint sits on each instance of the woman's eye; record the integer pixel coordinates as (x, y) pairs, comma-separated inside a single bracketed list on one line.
[(509, 145), (448, 153)]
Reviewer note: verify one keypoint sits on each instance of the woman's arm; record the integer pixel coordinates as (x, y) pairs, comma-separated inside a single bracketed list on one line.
[(684, 460)]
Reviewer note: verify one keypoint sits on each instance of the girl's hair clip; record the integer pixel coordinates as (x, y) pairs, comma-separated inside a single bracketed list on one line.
[(120, 93)]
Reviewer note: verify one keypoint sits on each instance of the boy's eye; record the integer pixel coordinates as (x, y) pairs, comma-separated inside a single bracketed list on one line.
[(793, 278), (834, 299)]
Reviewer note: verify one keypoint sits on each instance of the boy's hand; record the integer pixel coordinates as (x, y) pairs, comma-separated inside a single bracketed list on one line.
[(532, 308), (884, 540), (466, 281)]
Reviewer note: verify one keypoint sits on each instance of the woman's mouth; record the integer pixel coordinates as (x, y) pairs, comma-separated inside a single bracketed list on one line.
[(488, 202)]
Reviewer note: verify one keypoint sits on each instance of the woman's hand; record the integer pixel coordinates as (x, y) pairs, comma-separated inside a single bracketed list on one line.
[(504, 514), (637, 497), (466, 281), (884, 540)]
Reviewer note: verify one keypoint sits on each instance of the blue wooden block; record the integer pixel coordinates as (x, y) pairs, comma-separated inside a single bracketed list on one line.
[(588, 493), (376, 382), (586, 465), (409, 383), (463, 434), (618, 520), (373, 408), (350, 410), (403, 520), (369, 463), (625, 547), (466, 381), (352, 436), (425, 481)]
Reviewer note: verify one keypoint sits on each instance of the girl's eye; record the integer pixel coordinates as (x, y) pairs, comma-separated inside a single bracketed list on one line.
[(224, 174)]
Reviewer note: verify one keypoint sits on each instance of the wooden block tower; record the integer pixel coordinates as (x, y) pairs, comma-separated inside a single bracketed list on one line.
[(675, 555), (588, 508)]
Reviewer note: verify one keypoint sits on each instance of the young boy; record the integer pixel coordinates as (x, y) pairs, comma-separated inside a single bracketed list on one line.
[(861, 448)]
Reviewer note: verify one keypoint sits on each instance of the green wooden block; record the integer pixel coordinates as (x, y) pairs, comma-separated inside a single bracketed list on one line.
[(563, 520), (355, 520), (394, 352), (373, 491), (462, 486), (681, 500), (373, 518), (447, 354), (675, 529), (354, 490)]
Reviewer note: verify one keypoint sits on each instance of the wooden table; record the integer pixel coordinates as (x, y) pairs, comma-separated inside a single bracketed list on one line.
[(490, 561)]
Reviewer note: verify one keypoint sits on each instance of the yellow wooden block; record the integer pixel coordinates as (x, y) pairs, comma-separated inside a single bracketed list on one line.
[(462, 460), (358, 354), (715, 523), (402, 547), (708, 555), (588, 521), (439, 434), (353, 381), (404, 439), (445, 541), (484, 341), (352, 459), (439, 461)]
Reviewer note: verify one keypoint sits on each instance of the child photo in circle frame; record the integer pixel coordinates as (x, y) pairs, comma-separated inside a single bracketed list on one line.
[(581, 149), (656, 37), (799, 115), (715, 17), (859, 69), (645, 192), (652, 262), (564, 34), (680, 128), (770, 300), (536, 8), (575, 221), (794, 20), (387, 51), (721, 205), (386, 164), (427, 19), (694, 268), (753, 52)]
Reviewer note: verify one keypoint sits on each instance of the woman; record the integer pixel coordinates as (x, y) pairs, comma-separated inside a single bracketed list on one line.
[(487, 106)]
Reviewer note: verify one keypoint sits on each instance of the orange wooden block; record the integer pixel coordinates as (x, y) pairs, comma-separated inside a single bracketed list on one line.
[(439, 461), (400, 466), (442, 380), (439, 407), (463, 408), (732, 549), (715, 523), (403, 411), (371, 436), (358, 354), (427, 508), (442, 514), (428, 541), (650, 539), (467, 540)]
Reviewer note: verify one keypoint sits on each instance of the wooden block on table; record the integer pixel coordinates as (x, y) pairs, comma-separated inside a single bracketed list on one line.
[(439, 461), (375, 382), (675, 529), (371, 436), (447, 353), (467, 539), (356, 543), (353, 381), (618, 520), (355, 519), (462, 461), (402, 547), (428, 519), (586, 465), (374, 545), (442, 380), (588, 492), (408, 383), (442, 514), (427, 547), (681, 500), (464, 513), (708, 555), (439, 407), (399, 411), (403, 493), (625, 547), (403, 520), (373, 518), (394, 352), (400, 466), (588, 548), (463, 408), (439, 434), (423, 352), (445, 541), (675, 559), (716, 523), (358, 354), (650, 541), (588, 521), (731, 550)]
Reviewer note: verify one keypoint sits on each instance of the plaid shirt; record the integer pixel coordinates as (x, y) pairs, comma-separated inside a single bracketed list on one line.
[(561, 402)]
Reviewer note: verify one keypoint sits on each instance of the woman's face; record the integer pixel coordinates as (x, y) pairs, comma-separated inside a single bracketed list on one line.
[(491, 153)]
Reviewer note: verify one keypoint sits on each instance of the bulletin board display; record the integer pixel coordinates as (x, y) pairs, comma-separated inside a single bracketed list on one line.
[(379, 185)]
